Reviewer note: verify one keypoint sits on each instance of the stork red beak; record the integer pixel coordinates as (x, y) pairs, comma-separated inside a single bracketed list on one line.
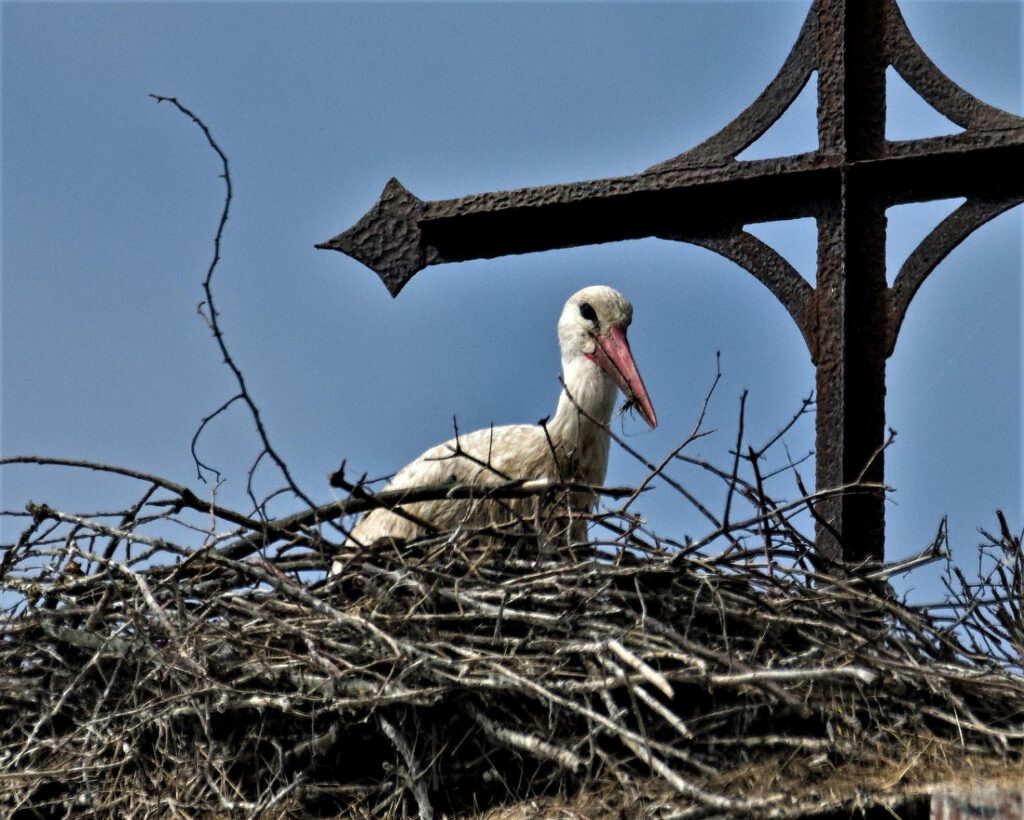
[(613, 356)]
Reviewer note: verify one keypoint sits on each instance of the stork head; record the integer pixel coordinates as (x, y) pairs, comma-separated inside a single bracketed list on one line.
[(593, 327)]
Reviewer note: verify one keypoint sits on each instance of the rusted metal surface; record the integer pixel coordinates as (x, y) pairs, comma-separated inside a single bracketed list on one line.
[(949, 233), (771, 270), (850, 319)]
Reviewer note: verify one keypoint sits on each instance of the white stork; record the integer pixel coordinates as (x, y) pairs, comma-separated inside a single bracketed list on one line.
[(571, 446)]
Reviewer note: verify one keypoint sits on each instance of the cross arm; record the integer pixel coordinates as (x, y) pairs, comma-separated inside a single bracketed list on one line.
[(402, 234)]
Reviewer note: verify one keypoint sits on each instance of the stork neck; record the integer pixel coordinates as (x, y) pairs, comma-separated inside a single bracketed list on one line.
[(585, 408)]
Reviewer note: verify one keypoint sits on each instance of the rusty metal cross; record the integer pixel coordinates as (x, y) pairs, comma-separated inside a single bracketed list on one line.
[(850, 317)]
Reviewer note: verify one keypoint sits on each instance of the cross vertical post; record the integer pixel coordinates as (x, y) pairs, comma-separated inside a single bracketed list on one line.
[(853, 313)]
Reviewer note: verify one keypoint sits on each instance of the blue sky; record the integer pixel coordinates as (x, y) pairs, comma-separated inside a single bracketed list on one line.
[(110, 202)]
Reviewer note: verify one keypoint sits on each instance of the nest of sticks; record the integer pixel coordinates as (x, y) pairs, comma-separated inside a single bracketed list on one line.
[(171, 657), (463, 672)]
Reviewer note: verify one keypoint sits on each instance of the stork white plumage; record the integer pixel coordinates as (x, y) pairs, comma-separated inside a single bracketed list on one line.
[(572, 446)]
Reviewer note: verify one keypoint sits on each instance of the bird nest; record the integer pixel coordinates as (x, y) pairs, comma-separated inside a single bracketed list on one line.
[(174, 658), (466, 671)]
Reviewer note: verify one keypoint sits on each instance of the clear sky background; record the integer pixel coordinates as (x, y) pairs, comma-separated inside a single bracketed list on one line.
[(110, 202)]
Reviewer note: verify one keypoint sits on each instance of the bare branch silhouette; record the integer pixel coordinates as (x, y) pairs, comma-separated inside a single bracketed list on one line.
[(212, 317)]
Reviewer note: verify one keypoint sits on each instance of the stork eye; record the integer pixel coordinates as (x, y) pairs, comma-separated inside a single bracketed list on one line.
[(588, 313)]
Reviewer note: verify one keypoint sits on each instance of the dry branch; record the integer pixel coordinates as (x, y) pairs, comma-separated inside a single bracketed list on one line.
[(442, 677)]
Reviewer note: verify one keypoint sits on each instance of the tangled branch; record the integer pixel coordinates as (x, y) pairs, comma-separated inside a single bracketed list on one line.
[(445, 676)]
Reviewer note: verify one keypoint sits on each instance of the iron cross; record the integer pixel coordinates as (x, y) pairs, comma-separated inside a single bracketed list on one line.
[(851, 317)]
